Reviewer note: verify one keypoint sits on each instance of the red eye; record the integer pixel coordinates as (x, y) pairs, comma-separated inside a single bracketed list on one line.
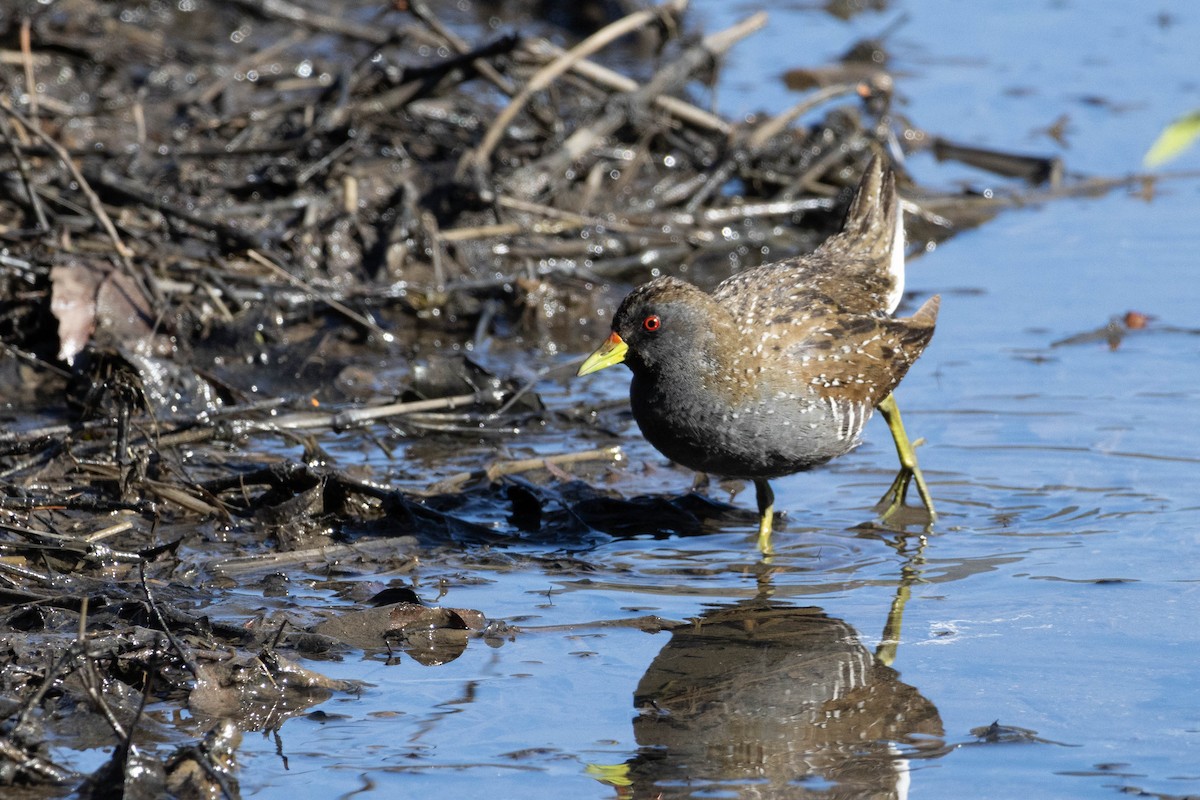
[(652, 323)]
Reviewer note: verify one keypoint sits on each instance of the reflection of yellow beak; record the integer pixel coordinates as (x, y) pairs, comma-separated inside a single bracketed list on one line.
[(611, 352)]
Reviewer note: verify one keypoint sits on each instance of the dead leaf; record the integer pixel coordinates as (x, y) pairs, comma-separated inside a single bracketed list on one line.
[(73, 304), (123, 313)]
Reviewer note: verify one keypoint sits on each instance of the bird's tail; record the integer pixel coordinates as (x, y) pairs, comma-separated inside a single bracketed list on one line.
[(873, 233)]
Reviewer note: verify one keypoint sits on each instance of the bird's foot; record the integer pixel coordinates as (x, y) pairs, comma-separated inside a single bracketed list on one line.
[(893, 500)]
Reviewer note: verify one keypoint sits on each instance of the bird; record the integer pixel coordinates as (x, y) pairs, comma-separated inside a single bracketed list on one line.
[(779, 368)]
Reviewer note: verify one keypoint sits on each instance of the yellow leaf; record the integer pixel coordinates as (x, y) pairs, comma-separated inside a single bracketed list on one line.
[(1174, 139)]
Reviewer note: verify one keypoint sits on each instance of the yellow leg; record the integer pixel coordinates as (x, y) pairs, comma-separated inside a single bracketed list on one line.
[(766, 513), (910, 471)]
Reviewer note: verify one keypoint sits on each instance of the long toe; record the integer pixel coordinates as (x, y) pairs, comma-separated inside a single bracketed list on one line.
[(894, 505), (894, 498)]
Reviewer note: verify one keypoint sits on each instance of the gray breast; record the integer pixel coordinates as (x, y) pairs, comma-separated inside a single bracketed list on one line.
[(760, 437)]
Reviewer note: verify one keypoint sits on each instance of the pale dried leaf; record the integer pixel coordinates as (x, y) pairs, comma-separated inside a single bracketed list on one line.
[(73, 303)]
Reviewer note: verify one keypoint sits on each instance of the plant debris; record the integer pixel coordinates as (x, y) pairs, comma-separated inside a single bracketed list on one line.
[(240, 239)]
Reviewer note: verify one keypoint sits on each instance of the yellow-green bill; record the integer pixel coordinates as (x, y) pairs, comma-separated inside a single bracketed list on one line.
[(611, 352)]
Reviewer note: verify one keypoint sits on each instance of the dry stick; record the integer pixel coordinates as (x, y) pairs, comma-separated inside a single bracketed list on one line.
[(480, 156), (214, 296), (91, 687), (204, 95), (626, 268), (27, 57), (26, 174), (806, 181), (63, 543), (111, 530), (615, 81), (502, 229), (771, 127), (726, 215), (333, 303), (93, 199), (674, 189), (356, 416), (14, 57), (756, 141), (309, 172), (36, 765), (499, 469), (612, 453), (559, 222), (373, 549), (139, 117), (91, 681), (429, 225), (421, 11), (531, 179), (281, 9), (183, 499), (300, 421), (184, 656), (571, 219)]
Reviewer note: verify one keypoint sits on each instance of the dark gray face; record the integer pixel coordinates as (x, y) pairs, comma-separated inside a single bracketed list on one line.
[(663, 323)]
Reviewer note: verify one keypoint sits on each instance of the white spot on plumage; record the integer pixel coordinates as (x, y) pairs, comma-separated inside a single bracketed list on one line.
[(836, 412), (896, 264)]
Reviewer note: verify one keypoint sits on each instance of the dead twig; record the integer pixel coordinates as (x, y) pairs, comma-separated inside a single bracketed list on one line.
[(614, 81), (281, 9), (65, 159), (481, 155), (330, 301), (499, 469), (532, 179)]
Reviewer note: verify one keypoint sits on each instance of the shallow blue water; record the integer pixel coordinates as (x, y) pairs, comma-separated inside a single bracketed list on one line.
[(1059, 590)]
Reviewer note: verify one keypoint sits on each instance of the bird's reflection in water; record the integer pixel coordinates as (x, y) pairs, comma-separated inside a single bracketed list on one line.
[(767, 701)]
